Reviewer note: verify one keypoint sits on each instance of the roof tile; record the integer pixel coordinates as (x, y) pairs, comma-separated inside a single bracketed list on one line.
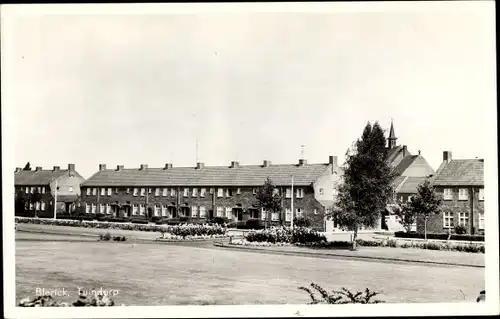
[(467, 172)]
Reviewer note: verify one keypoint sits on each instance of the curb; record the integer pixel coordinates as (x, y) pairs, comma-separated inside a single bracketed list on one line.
[(323, 255)]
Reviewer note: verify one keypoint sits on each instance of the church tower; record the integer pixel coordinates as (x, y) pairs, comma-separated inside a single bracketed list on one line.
[(392, 137)]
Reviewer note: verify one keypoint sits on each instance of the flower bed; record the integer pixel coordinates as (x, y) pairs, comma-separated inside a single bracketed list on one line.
[(285, 235), (244, 242), (181, 230), (172, 237)]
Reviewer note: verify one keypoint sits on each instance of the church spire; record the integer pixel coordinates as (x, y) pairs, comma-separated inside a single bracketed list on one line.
[(392, 137)]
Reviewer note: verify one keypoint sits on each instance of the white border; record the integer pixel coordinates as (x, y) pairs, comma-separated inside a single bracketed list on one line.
[(9, 12)]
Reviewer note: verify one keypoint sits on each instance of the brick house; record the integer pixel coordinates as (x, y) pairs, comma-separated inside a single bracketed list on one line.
[(27, 182), (460, 183), (204, 192), (410, 171)]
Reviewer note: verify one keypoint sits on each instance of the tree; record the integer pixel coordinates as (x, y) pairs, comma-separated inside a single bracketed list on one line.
[(407, 216), (20, 203), (27, 167), (35, 198), (425, 202), (366, 185), (269, 199)]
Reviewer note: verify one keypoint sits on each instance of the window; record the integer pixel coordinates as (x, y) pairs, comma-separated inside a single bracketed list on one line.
[(263, 214), (108, 209), (463, 219), (203, 192), (94, 208), (157, 210), (110, 191), (143, 192), (142, 209), (220, 192), (481, 194), (186, 192), (103, 191), (275, 217), (202, 212), (172, 192), (195, 192), (220, 211), (447, 194), (288, 193), (164, 210), (300, 193), (229, 192), (409, 198), (136, 191), (32, 190), (276, 191), (94, 191), (463, 194), (116, 190), (288, 214), (128, 190), (27, 190), (238, 191), (87, 208), (88, 191), (229, 213), (321, 191), (37, 205), (165, 192), (42, 206), (194, 211), (102, 208), (157, 192), (299, 212), (31, 206), (254, 191), (211, 190), (315, 211), (481, 220), (135, 209)]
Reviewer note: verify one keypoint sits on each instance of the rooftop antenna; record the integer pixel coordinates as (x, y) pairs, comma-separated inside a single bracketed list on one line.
[(302, 151)]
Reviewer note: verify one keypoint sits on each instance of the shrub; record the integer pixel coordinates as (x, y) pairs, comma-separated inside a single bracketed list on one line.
[(460, 230), (232, 225), (367, 243), (139, 221), (253, 223), (343, 296), (301, 222), (282, 234), (219, 220), (119, 238), (105, 237), (442, 236)]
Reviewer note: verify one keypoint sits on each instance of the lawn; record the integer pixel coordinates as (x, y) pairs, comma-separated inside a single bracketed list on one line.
[(153, 274)]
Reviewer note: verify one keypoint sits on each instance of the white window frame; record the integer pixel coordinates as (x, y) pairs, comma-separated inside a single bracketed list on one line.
[(238, 191), (157, 191), (143, 191), (481, 194), (254, 191), (194, 211), (164, 210), (142, 209), (288, 192), (42, 205), (117, 190), (229, 212), (220, 192), (103, 191), (481, 224), (275, 217), (203, 192), (157, 210), (110, 191), (463, 219), (27, 190), (108, 209), (87, 208), (220, 211), (136, 191), (37, 205), (195, 192), (32, 189), (94, 191), (88, 191), (300, 193), (263, 214), (135, 209), (288, 215), (185, 192), (203, 212), (448, 194), (299, 212), (463, 194), (172, 192), (94, 209), (31, 206), (102, 209), (228, 192), (276, 191), (165, 192)]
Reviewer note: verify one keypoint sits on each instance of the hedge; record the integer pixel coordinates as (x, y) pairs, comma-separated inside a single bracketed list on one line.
[(442, 236), (285, 235)]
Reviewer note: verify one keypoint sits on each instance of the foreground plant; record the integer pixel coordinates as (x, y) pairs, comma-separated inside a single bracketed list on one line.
[(47, 301), (343, 296)]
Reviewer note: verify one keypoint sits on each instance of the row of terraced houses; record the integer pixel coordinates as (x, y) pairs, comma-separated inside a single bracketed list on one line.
[(203, 192)]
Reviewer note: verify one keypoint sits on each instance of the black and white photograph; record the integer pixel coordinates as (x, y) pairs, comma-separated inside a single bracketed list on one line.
[(249, 159)]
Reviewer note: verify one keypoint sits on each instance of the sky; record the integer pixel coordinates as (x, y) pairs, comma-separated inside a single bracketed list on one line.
[(131, 89)]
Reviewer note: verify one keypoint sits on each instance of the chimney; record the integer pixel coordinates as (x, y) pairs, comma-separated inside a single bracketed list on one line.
[(119, 167), (446, 156), (38, 168), (333, 160), (266, 163), (144, 167), (102, 167), (302, 162), (168, 166), (405, 150), (199, 165), (235, 164), (18, 169), (56, 168), (71, 167)]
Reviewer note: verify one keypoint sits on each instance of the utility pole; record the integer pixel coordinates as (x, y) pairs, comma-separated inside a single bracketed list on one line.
[(55, 201), (291, 206)]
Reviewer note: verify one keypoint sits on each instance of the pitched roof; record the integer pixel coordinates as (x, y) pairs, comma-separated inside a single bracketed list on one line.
[(41, 177), (410, 184), (398, 180), (404, 164), (251, 175), (393, 153), (467, 172)]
